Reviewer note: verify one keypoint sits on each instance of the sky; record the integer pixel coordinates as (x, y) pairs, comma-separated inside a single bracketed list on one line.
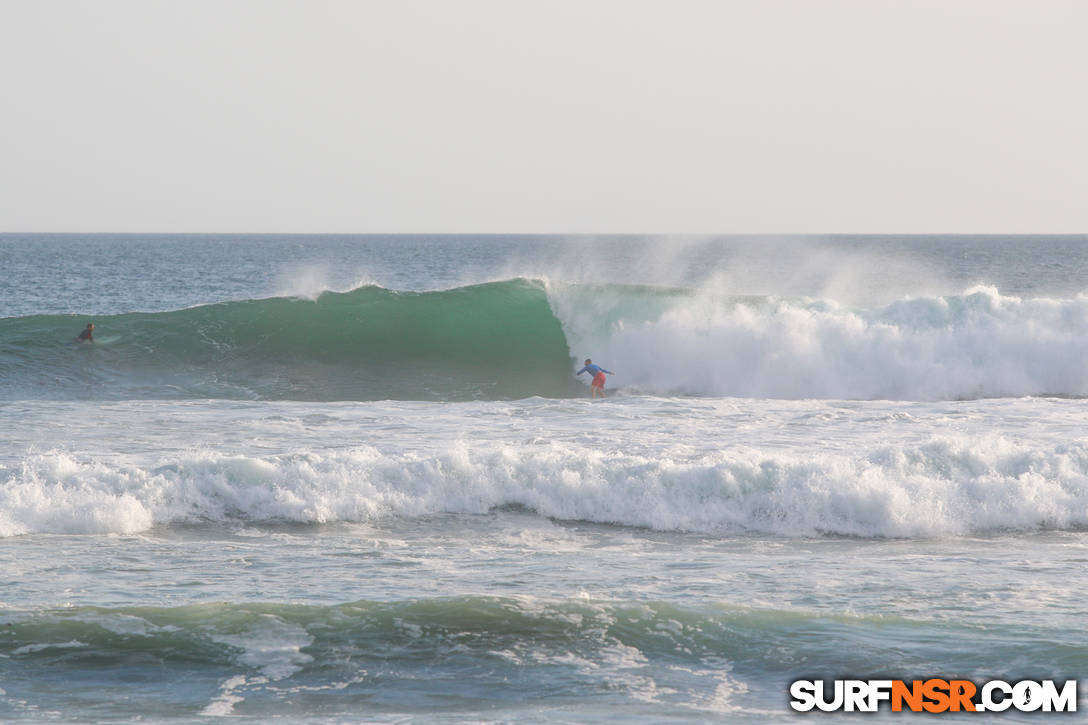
[(557, 116)]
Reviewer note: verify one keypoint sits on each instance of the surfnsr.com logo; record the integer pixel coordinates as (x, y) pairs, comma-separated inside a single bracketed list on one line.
[(933, 695)]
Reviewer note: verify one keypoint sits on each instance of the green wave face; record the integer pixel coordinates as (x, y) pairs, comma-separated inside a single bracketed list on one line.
[(490, 341), (266, 661)]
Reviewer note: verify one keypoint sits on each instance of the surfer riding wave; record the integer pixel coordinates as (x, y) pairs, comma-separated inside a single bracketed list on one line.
[(598, 373)]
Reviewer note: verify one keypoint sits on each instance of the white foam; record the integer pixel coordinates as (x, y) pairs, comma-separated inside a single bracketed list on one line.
[(223, 704), (978, 344), (55, 493), (940, 484), (28, 648), (274, 647)]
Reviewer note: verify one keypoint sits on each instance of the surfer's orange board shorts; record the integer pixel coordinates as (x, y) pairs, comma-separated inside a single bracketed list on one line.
[(598, 380)]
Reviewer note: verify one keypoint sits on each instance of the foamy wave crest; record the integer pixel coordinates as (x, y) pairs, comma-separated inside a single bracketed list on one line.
[(979, 344), (944, 486)]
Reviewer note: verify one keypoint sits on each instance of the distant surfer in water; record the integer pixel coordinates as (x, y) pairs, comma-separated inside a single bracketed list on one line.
[(597, 386), (86, 335)]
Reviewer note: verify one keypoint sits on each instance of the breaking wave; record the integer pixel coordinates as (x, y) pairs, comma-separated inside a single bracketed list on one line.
[(520, 338), (938, 487)]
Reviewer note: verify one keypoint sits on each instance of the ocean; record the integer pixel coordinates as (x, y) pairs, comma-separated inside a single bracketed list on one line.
[(353, 478)]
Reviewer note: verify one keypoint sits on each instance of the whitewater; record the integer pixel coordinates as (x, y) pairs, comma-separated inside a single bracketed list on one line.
[(354, 478)]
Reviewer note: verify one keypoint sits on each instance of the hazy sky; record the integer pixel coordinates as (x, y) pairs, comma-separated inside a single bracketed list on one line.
[(550, 116)]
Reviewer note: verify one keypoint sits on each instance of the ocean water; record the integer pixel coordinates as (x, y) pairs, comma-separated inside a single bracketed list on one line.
[(323, 479)]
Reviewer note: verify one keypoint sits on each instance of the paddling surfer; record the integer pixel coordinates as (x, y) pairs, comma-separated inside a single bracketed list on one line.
[(86, 335)]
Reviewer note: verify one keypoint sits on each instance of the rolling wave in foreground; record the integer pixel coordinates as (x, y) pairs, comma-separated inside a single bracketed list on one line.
[(275, 660), (521, 338)]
